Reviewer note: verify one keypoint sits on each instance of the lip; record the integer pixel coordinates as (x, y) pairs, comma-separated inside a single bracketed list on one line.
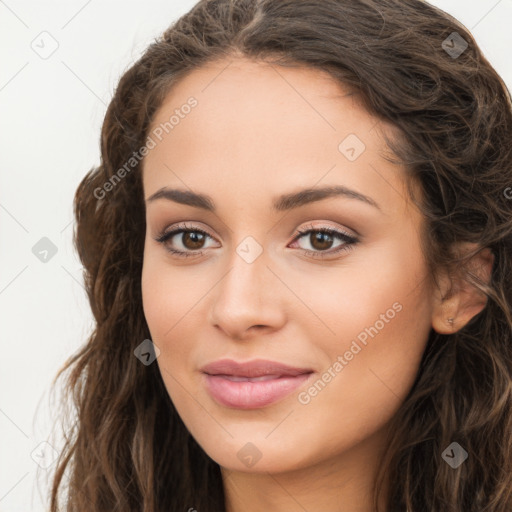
[(253, 368), (252, 384)]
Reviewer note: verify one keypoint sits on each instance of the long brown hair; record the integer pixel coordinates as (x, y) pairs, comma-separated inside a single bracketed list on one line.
[(126, 448)]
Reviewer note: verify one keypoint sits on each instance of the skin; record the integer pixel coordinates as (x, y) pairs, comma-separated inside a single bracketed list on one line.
[(260, 131)]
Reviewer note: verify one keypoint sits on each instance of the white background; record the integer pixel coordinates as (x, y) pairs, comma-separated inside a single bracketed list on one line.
[(51, 115)]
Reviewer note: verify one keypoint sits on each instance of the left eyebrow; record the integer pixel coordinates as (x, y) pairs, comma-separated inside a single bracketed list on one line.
[(310, 195), (282, 203)]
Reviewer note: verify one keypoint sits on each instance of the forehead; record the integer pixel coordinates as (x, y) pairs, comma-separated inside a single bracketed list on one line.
[(244, 93), (258, 125)]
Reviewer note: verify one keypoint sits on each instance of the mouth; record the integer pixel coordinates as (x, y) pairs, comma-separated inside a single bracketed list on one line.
[(237, 378), (253, 384)]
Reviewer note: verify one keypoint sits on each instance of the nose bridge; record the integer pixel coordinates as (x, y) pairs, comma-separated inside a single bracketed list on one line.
[(246, 281), (248, 294)]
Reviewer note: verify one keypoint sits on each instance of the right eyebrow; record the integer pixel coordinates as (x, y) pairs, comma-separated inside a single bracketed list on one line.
[(184, 197)]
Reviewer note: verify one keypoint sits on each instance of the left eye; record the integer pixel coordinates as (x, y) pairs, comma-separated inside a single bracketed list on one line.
[(322, 239)]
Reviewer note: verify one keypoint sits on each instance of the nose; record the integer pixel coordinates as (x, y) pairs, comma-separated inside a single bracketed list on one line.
[(248, 300)]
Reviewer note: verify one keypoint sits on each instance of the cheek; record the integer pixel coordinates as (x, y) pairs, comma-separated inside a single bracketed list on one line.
[(173, 308), (173, 315), (168, 294), (167, 300), (380, 319), (376, 315), (375, 281)]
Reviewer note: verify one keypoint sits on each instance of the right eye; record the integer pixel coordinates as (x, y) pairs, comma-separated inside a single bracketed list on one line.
[(191, 239)]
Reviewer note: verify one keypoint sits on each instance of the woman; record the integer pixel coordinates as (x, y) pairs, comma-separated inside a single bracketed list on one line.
[(297, 250)]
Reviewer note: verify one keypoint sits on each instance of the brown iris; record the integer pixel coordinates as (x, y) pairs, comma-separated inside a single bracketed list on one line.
[(320, 240), (196, 239)]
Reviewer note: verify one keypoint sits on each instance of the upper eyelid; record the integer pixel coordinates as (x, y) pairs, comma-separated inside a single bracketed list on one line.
[(298, 233), (309, 227)]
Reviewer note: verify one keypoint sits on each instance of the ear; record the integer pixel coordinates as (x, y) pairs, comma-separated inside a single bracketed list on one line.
[(456, 301)]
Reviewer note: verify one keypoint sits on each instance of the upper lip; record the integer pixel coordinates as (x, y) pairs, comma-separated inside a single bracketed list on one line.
[(253, 368)]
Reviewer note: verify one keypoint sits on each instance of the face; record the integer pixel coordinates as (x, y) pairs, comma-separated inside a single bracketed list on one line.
[(334, 284)]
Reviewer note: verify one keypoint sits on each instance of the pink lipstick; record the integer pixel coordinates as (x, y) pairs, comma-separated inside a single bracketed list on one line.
[(252, 384)]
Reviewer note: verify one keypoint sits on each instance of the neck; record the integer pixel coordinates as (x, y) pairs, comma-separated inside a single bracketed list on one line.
[(341, 483)]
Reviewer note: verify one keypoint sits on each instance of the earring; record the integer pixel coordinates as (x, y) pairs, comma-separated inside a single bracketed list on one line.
[(450, 321)]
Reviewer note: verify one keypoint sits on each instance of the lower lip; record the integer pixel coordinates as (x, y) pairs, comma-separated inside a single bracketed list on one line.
[(252, 395)]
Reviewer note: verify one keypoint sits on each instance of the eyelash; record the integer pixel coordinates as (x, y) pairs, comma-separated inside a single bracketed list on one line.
[(350, 241)]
